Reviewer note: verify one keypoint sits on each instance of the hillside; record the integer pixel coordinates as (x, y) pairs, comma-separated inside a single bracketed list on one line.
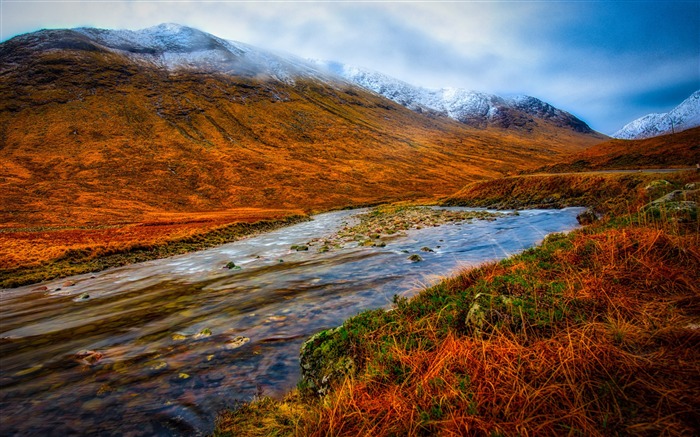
[(681, 150), (175, 128), (682, 117)]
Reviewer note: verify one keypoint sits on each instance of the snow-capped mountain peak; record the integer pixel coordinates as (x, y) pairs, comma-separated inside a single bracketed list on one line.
[(682, 117), (174, 46), (470, 107)]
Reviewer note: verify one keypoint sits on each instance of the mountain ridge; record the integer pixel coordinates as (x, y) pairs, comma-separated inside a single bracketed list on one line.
[(173, 46), (474, 108)]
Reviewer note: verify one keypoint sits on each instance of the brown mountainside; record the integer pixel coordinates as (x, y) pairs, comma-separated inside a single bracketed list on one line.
[(667, 151), (107, 149), (91, 135)]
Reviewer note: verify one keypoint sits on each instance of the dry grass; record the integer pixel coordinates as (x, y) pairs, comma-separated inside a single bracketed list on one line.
[(676, 150), (34, 255), (27, 247), (613, 194), (593, 333)]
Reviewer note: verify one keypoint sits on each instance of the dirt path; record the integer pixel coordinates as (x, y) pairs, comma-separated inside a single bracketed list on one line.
[(642, 170)]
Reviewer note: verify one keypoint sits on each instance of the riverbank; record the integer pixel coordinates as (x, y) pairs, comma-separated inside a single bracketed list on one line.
[(82, 251), (32, 256), (613, 193), (593, 333)]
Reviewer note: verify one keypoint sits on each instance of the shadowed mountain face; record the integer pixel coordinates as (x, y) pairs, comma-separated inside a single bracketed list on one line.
[(104, 127)]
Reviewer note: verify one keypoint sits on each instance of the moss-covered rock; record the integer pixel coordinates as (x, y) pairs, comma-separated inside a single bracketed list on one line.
[(324, 361), (587, 217), (676, 204), (415, 258)]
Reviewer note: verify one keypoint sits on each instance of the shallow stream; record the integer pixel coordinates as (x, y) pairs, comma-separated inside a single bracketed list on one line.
[(157, 348)]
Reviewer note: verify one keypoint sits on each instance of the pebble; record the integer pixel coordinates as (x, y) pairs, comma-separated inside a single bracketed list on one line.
[(215, 377), (82, 297), (88, 357), (206, 332), (92, 405), (237, 342)]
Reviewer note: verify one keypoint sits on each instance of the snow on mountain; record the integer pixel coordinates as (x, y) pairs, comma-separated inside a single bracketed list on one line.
[(174, 46), (682, 117), (470, 107)]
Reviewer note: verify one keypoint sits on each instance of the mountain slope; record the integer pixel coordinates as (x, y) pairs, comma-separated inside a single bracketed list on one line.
[(476, 109), (681, 150), (682, 117), (103, 127)]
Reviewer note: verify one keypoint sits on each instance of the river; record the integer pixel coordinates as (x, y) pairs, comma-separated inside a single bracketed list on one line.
[(158, 348)]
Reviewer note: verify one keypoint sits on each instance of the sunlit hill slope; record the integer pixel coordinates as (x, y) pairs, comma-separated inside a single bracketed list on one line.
[(172, 124), (680, 150)]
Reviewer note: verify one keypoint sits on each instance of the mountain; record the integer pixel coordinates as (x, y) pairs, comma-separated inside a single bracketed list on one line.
[(103, 127), (473, 108), (682, 117)]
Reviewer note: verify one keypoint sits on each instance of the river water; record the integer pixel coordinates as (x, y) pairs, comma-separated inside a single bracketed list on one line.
[(157, 348)]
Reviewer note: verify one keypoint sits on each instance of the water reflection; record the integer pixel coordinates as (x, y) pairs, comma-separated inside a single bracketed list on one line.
[(160, 347)]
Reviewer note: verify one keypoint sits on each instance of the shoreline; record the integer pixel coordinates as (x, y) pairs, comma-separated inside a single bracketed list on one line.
[(81, 261)]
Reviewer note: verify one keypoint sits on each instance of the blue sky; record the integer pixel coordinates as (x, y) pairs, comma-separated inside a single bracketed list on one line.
[(607, 62)]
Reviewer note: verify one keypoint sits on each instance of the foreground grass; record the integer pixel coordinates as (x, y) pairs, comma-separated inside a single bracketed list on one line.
[(596, 332)]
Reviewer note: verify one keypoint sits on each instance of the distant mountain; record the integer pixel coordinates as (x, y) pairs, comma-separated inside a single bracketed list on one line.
[(682, 117), (473, 108), (109, 126)]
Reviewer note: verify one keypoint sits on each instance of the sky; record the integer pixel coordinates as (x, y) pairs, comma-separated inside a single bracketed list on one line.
[(607, 62)]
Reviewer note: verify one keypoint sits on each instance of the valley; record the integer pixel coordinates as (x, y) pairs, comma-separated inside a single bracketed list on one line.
[(198, 235), (96, 137)]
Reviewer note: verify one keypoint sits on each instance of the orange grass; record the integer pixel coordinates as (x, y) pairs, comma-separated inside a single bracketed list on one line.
[(594, 333), (614, 193), (31, 246), (631, 367), (35, 255)]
